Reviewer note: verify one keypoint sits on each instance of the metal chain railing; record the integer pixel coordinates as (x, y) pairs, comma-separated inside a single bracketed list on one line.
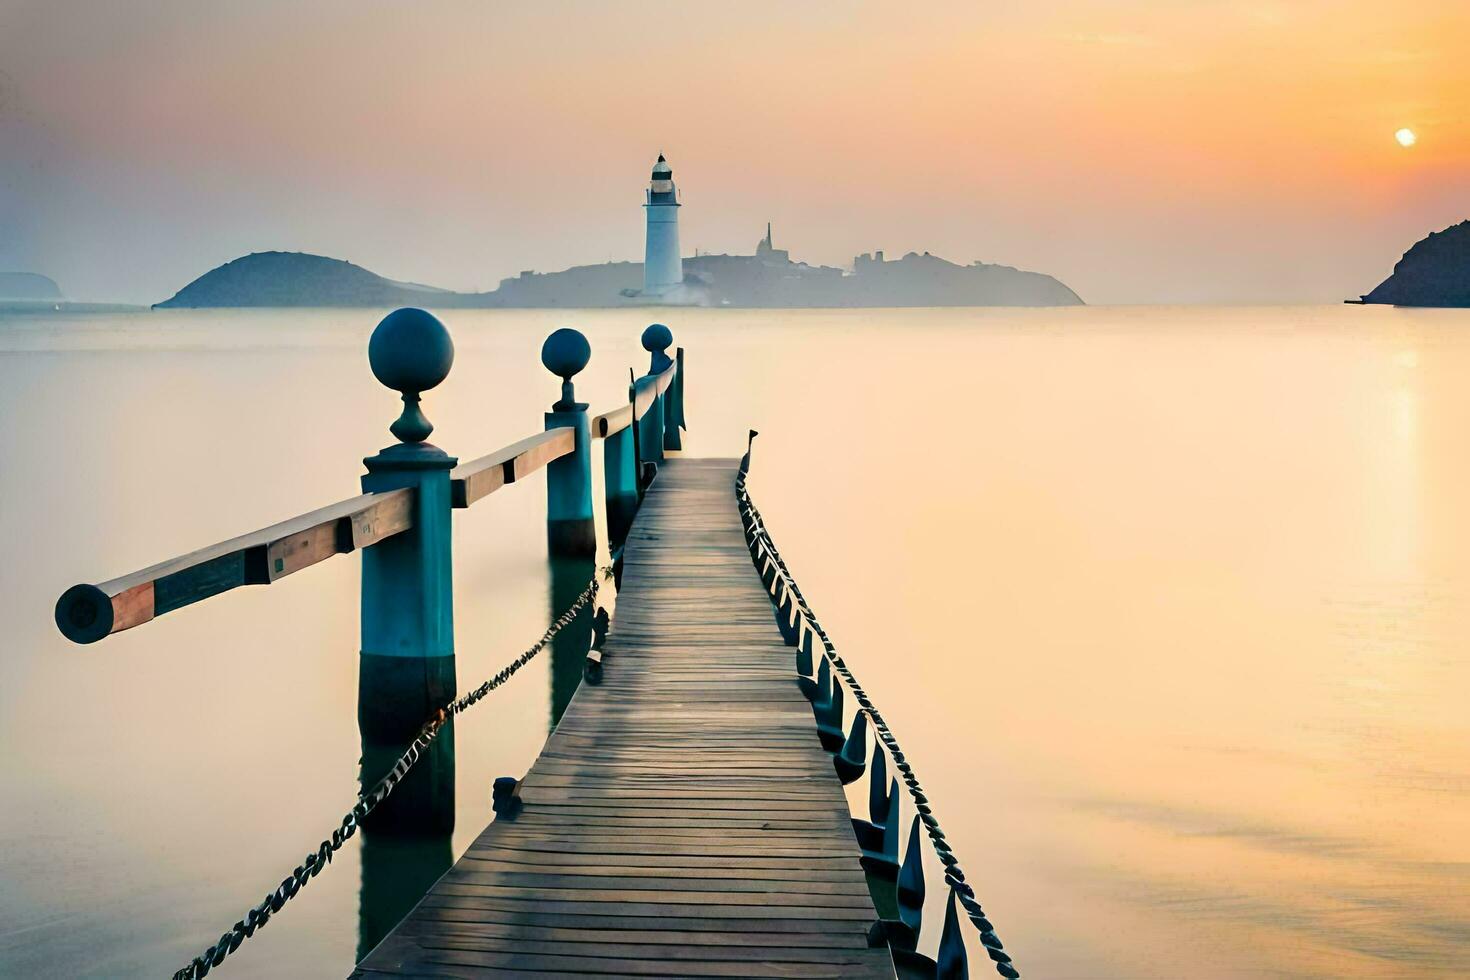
[(257, 917), (954, 875)]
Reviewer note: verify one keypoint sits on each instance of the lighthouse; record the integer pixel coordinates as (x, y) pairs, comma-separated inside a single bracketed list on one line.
[(663, 270)]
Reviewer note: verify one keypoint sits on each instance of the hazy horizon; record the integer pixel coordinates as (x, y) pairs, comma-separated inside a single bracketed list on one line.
[(1142, 151)]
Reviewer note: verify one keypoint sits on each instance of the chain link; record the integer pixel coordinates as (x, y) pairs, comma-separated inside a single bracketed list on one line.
[(954, 876), (200, 966)]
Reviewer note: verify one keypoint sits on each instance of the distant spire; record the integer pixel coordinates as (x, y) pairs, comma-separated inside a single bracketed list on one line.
[(764, 246)]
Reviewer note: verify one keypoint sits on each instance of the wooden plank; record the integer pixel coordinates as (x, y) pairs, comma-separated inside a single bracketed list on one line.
[(670, 885), (593, 851), (481, 477), (463, 963), (469, 885), (695, 928), (682, 820), (87, 613), (644, 392), (668, 952), (676, 944), (668, 947), (611, 423), (513, 863), (451, 897), (532, 959)]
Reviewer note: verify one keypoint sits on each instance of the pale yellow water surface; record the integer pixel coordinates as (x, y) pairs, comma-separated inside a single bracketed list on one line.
[(1168, 606)]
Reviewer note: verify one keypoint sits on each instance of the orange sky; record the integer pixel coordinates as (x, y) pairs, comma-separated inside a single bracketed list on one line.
[(1140, 150)]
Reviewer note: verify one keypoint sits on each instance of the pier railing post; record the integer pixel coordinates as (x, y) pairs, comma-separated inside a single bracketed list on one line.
[(570, 531), (674, 406), (406, 671), (620, 481), (650, 429), (656, 339)]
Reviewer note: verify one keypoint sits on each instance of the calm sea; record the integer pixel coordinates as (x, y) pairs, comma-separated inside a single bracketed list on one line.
[(1169, 606)]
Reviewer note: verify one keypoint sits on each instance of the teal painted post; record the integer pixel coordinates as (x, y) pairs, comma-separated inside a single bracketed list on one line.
[(671, 430), (570, 531), (674, 406), (620, 480), (651, 426), (656, 340), (406, 670)]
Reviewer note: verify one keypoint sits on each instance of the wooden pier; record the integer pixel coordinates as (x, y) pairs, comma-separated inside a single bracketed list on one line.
[(683, 820), (687, 816)]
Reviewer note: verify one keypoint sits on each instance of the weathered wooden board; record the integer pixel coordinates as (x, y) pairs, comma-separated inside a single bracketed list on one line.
[(683, 820), (481, 477), (613, 422), (87, 613)]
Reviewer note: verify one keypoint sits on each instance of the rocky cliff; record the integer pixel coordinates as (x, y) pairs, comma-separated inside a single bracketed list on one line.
[(1435, 272)]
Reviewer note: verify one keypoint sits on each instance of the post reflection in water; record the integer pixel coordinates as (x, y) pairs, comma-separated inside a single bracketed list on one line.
[(406, 841), (396, 871), (569, 576)]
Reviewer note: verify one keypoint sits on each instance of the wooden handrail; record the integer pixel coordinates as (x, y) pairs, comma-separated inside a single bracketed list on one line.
[(611, 423), (478, 478), (87, 613)]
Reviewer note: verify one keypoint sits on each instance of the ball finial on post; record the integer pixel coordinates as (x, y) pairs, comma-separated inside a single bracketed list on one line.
[(411, 352), (656, 340), (570, 528), (565, 353)]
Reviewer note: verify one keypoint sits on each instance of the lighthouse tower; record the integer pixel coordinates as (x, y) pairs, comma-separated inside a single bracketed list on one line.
[(663, 270)]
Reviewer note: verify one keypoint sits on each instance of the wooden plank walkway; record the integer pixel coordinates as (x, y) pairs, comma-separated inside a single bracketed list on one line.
[(682, 820)]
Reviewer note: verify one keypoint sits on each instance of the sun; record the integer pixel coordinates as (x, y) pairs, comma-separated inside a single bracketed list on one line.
[(1406, 137)]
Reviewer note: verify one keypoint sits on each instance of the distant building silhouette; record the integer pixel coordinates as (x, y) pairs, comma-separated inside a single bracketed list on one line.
[(769, 253), (769, 278)]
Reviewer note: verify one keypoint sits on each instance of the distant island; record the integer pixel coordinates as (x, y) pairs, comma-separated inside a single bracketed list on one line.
[(1434, 272), (31, 293), (28, 286), (298, 279), (767, 279)]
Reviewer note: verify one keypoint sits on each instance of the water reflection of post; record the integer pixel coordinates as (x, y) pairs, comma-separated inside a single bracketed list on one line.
[(569, 576), (406, 840), (396, 872)]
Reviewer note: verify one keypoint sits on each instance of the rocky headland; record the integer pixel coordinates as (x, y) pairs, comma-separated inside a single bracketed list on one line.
[(1434, 272)]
